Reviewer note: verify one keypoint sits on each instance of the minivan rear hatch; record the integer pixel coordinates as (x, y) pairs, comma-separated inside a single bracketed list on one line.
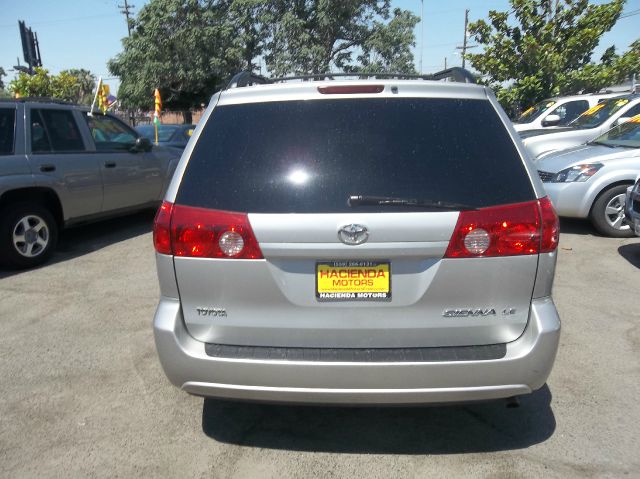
[(330, 272)]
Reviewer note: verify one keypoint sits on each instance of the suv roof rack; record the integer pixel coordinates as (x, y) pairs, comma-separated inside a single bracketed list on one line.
[(37, 99), (456, 74), (246, 78)]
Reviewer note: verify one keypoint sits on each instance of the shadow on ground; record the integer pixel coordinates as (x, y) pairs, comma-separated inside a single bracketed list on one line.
[(84, 239), (577, 227), (631, 252), (479, 427)]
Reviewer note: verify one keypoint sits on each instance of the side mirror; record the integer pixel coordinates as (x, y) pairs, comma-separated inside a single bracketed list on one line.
[(142, 144), (621, 120), (551, 120)]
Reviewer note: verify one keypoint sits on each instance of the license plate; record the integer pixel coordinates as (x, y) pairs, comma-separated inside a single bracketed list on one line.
[(353, 280)]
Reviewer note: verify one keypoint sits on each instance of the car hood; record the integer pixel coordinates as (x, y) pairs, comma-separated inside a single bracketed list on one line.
[(543, 131), (560, 160)]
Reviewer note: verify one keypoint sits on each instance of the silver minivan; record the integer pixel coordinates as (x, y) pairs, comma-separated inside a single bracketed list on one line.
[(379, 240)]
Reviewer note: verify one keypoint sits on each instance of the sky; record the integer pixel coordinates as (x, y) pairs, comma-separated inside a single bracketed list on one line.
[(87, 33)]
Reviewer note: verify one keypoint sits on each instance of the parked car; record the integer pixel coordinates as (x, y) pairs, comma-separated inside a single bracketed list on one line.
[(590, 180), (356, 241), (557, 111), (592, 123), (61, 165), (632, 207), (171, 136)]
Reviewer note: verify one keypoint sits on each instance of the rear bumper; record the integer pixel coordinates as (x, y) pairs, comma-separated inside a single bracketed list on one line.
[(524, 368)]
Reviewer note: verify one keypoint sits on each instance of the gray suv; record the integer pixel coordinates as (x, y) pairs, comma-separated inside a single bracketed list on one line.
[(380, 240), (61, 166)]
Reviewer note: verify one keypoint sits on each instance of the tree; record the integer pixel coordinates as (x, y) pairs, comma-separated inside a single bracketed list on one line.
[(613, 69), (542, 48), (179, 46), (318, 36), (189, 48), (388, 48), (63, 86), (3, 93), (253, 21), (85, 85)]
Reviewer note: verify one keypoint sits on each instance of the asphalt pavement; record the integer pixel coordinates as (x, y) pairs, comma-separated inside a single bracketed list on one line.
[(83, 395)]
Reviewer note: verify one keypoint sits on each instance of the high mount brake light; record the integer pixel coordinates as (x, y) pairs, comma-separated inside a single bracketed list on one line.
[(350, 89), (510, 230), (202, 233)]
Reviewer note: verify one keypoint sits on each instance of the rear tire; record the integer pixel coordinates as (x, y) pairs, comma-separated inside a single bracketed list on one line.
[(607, 213), (28, 235)]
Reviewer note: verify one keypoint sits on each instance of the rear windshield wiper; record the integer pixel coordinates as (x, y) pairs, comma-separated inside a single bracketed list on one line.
[(409, 202)]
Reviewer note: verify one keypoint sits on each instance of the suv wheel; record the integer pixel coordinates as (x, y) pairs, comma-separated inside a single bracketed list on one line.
[(28, 235), (607, 213)]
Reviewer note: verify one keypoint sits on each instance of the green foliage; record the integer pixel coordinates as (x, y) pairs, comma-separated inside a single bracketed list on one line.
[(542, 48), (612, 70), (388, 47), (319, 36), (181, 47), (85, 84), (65, 86), (189, 48)]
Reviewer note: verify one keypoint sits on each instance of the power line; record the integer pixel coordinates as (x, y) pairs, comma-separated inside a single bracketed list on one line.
[(58, 20), (630, 14)]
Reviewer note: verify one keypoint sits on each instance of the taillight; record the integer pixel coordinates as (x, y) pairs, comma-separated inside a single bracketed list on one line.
[(510, 230), (550, 226), (162, 229), (203, 233), (350, 89)]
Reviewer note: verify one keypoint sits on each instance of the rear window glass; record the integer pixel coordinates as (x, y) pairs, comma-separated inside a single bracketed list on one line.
[(7, 130), (310, 156), (54, 131)]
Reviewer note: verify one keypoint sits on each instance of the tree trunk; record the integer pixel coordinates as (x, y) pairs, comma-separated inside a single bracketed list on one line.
[(186, 116)]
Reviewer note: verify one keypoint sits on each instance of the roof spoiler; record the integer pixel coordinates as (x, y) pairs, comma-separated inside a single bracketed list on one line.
[(455, 74)]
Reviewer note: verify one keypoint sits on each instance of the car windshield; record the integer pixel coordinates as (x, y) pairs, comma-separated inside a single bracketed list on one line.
[(535, 111), (598, 114), (164, 132), (625, 135)]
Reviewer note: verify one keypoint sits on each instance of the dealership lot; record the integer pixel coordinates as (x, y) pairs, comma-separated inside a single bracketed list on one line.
[(83, 393)]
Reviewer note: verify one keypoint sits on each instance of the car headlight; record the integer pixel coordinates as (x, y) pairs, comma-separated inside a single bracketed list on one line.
[(577, 173)]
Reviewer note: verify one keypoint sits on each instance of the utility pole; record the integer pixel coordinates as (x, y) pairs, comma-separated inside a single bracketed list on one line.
[(445, 63), (464, 42), (465, 46), (126, 12)]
